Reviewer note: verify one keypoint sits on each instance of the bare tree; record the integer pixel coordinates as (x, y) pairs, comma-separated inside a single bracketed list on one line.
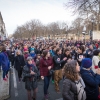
[(86, 8)]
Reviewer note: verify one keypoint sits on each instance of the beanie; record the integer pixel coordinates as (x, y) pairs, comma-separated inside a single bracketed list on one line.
[(29, 58), (86, 63)]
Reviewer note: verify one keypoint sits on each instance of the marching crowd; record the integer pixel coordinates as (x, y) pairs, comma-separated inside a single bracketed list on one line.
[(74, 63)]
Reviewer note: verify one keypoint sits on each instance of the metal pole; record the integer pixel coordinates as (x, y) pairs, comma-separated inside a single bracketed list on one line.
[(92, 32), (84, 39)]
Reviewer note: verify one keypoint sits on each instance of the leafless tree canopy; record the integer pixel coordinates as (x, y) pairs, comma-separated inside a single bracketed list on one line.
[(35, 28), (88, 11)]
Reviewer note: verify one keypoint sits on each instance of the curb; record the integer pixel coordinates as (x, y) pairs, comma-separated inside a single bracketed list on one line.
[(8, 95)]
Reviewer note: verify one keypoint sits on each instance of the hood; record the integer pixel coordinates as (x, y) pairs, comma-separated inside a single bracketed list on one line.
[(83, 70)]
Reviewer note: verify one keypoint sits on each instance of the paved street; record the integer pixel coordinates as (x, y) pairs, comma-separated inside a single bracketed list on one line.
[(18, 91)]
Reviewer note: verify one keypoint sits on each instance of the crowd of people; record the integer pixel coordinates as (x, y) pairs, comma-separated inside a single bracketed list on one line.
[(74, 63)]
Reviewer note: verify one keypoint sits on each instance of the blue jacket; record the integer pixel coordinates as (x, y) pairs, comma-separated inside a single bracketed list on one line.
[(33, 55), (92, 82), (52, 53), (4, 61)]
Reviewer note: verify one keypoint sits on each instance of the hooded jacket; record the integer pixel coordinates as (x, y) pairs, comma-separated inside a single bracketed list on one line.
[(92, 82), (4, 61)]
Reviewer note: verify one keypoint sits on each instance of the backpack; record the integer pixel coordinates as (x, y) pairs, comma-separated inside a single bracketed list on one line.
[(81, 95)]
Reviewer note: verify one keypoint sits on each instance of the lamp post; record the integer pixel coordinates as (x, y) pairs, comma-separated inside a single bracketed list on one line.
[(91, 32), (84, 32)]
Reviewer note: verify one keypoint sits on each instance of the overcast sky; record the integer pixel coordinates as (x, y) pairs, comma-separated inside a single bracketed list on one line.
[(18, 12)]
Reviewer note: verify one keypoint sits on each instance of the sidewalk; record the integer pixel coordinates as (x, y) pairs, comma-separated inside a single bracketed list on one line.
[(4, 88)]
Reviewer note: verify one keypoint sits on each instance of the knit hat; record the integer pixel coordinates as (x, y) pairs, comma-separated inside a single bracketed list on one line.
[(86, 63), (29, 58)]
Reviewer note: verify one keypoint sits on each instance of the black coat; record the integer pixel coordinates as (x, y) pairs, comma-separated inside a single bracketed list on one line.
[(79, 56), (57, 62), (89, 55), (19, 62), (67, 56), (12, 55)]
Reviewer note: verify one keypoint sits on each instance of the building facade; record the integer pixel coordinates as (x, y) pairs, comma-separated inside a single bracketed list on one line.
[(2, 28)]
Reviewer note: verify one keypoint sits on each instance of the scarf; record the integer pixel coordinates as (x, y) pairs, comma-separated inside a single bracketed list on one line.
[(30, 65)]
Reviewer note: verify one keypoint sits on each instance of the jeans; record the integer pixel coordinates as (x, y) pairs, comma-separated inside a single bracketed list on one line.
[(46, 84), (5, 73)]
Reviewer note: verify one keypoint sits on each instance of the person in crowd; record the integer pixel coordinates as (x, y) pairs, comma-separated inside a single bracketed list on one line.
[(18, 48), (80, 54), (52, 52), (99, 47), (90, 79), (46, 64), (12, 56), (0, 53), (89, 52), (32, 48), (38, 61), (66, 54), (95, 60), (4, 62), (72, 82), (25, 48), (30, 73), (37, 64), (96, 45), (19, 64), (57, 67), (26, 54), (32, 54)]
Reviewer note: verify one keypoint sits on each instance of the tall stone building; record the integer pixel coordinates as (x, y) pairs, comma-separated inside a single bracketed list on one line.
[(2, 28)]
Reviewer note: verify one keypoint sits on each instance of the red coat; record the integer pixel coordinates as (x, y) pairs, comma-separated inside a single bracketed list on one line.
[(44, 64)]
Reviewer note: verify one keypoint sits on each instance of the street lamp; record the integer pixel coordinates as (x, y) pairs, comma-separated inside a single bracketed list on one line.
[(91, 32), (84, 32)]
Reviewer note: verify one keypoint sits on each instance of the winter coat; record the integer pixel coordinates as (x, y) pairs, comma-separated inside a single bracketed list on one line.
[(33, 55), (79, 58), (69, 90), (92, 82), (67, 56), (4, 61), (26, 76), (89, 55), (37, 63), (19, 62), (95, 61), (44, 64), (26, 55), (52, 53), (12, 55)]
